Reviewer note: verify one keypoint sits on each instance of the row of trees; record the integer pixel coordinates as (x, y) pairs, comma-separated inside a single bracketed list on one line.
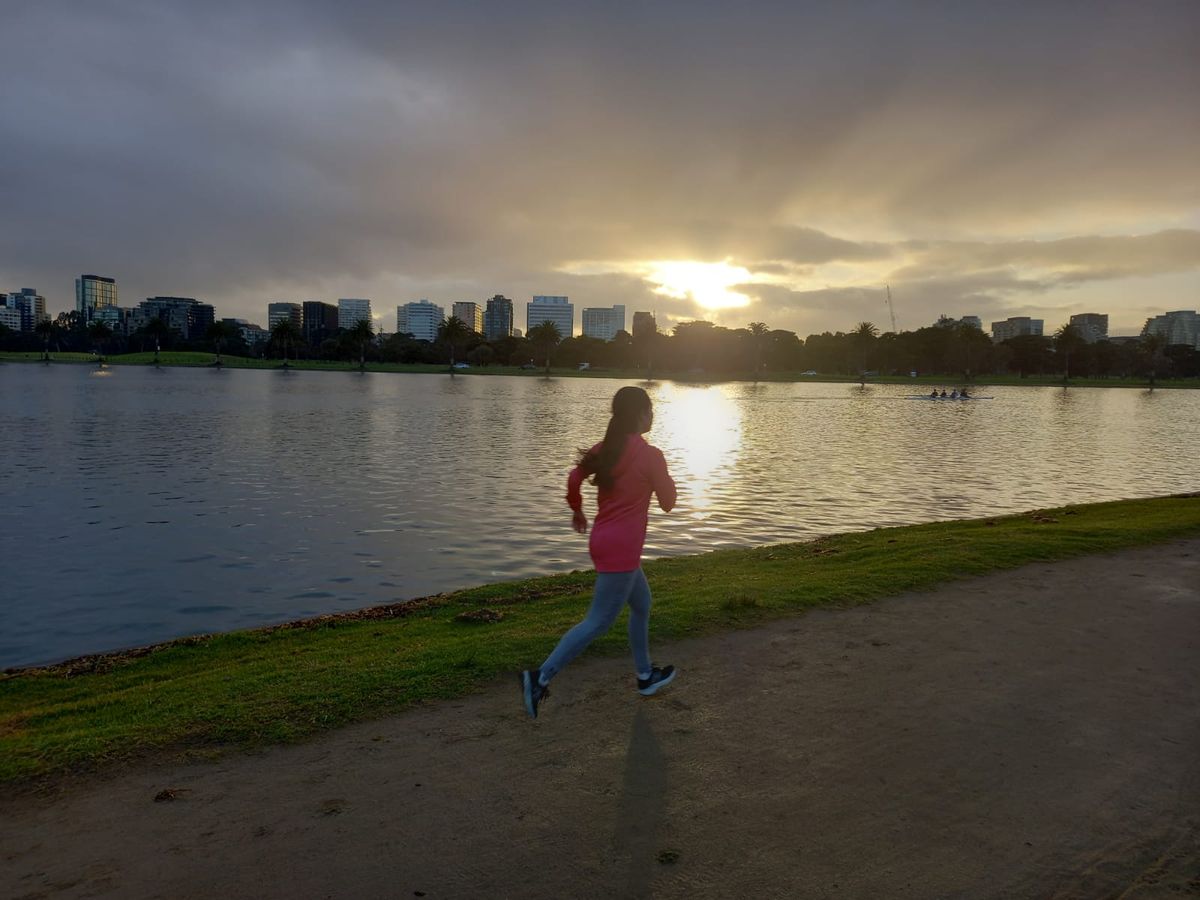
[(691, 347)]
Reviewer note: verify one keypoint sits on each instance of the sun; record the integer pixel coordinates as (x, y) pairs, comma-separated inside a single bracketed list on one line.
[(707, 284)]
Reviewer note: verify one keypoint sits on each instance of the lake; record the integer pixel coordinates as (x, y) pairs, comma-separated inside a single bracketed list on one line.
[(142, 504)]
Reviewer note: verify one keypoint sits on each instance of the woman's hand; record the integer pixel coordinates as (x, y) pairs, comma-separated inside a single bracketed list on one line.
[(579, 522)]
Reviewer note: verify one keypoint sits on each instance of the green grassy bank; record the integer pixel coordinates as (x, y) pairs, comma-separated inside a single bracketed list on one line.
[(193, 359), (255, 687)]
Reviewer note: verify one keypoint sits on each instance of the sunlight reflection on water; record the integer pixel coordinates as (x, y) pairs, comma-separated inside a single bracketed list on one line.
[(153, 503)]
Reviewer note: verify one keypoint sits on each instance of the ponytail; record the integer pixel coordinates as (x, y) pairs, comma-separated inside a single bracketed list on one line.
[(628, 405)]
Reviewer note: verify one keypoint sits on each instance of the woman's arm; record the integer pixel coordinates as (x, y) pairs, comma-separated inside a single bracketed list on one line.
[(664, 484), (575, 499)]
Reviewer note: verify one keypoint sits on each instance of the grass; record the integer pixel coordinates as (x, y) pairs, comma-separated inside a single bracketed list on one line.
[(251, 688), (190, 358)]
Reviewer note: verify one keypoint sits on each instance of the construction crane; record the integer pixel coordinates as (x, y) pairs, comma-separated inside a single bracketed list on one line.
[(891, 307)]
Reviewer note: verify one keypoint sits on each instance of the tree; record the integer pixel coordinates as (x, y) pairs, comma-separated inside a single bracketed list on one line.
[(284, 334), (1151, 347), (975, 347), (158, 329), (363, 334), (453, 331), (481, 355), (864, 335), (44, 328), (98, 332), (1067, 340), (218, 333), (545, 338), (758, 332)]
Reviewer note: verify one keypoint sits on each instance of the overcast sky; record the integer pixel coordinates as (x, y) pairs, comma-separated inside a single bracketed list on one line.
[(989, 158)]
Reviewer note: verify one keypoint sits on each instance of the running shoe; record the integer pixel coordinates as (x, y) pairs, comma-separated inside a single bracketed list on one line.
[(659, 678), (533, 691)]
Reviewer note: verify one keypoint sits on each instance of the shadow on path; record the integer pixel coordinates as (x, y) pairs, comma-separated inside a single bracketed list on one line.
[(643, 806)]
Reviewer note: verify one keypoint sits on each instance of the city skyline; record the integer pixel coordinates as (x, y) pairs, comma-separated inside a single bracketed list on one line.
[(1091, 325), (998, 161)]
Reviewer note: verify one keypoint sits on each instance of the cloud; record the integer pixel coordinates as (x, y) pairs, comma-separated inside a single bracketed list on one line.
[(244, 153)]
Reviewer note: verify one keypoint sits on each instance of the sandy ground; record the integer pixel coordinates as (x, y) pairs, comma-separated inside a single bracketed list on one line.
[(1029, 734)]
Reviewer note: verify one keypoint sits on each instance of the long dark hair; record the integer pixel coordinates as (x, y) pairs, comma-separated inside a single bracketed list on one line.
[(628, 405)]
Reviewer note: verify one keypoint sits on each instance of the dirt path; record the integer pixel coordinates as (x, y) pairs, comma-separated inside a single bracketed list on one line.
[(1034, 733)]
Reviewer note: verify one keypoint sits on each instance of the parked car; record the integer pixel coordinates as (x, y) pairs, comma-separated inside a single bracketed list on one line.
[(529, 365), (809, 372), (462, 365), (583, 366)]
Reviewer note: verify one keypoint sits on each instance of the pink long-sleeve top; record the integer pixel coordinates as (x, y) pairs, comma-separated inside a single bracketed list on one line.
[(619, 529)]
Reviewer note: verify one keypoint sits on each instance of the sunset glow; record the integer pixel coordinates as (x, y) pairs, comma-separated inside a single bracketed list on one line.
[(706, 284)]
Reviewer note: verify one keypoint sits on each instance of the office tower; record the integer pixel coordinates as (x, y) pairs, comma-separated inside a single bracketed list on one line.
[(320, 320), (945, 321), (94, 292), (498, 318), (30, 305), (1092, 327), (420, 319), (10, 317), (1015, 326), (1179, 327), (185, 315), (603, 324), (255, 336), (644, 324), (277, 312), (351, 311), (470, 313), (554, 309)]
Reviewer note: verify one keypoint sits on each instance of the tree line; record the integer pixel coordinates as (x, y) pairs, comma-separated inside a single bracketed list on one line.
[(700, 347)]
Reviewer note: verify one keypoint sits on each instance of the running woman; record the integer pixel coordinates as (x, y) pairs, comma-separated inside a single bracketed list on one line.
[(627, 470)]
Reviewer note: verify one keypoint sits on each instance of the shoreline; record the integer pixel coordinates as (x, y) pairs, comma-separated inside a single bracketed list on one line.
[(284, 682), (201, 360), (1028, 733)]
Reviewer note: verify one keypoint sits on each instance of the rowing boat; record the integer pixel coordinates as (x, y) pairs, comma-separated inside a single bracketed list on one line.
[(955, 399)]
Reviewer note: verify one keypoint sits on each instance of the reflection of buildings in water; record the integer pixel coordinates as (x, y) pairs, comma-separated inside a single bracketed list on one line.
[(700, 431)]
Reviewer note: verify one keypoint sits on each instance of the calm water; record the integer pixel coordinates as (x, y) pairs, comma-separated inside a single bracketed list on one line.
[(142, 504)]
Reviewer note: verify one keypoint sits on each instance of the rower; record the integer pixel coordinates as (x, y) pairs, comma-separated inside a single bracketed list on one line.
[(963, 395), (933, 396), (954, 394)]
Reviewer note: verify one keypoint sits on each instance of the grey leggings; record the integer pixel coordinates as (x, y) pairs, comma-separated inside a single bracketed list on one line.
[(613, 591)]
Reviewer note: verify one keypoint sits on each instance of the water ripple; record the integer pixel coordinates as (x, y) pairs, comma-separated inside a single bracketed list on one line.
[(224, 501)]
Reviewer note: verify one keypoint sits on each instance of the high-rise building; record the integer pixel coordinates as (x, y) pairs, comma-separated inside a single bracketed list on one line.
[(644, 324), (1179, 327), (255, 336), (201, 318), (420, 319), (10, 317), (320, 320), (185, 315), (498, 318), (1015, 326), (94, 292), (352, 311), (29, 304), (470, 313), (283, 309), (119, 319), (945, 321), (602, 323), (1092, 327), (556, 309)]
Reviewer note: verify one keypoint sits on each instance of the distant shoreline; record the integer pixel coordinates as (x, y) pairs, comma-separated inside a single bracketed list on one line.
[(199, 360)]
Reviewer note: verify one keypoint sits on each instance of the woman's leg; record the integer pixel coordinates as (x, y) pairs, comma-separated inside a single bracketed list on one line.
[(639, 624), (612, 588)]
